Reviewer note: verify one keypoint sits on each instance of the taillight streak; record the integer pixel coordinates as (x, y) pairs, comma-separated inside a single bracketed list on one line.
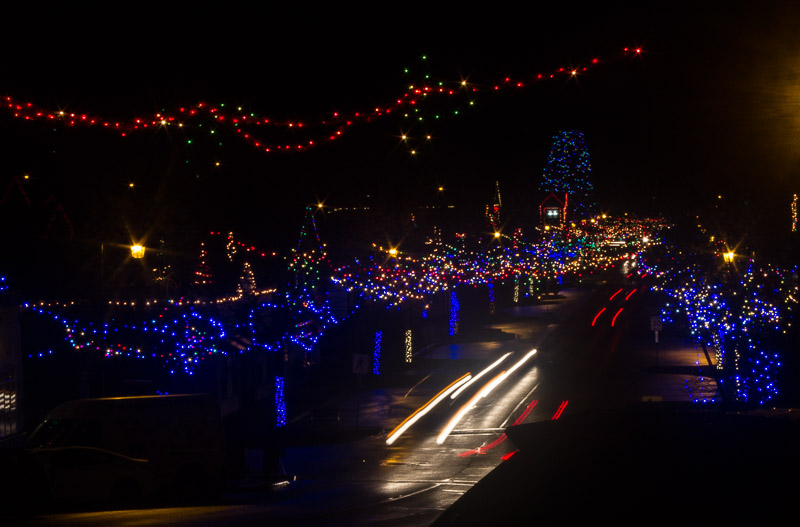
[(503, 436), (524, 413), (597, 316), (508, 456), (615, 317), (560, 410)]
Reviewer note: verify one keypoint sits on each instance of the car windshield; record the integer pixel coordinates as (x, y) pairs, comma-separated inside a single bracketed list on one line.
[(51, 433)]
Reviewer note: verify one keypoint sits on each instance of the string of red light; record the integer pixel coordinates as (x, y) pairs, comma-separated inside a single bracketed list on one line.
[(326, 129)]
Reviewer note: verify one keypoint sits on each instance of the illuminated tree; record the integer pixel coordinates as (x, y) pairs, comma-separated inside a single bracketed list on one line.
[(308, 264), (493, 210), (568, 172)]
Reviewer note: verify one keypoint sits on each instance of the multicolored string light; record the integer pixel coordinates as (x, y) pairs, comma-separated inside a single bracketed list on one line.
[(423, 101)]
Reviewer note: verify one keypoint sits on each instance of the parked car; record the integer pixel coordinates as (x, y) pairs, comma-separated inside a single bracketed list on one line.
[(180, 437), (80, 475)]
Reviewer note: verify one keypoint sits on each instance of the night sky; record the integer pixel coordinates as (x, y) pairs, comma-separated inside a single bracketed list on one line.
[(710, 108)]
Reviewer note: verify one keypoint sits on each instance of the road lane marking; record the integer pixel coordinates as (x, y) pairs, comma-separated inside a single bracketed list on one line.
[(477, 431), (410, 494)]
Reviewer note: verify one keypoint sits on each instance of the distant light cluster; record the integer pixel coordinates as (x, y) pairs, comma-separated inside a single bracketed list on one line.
[(394, 278)]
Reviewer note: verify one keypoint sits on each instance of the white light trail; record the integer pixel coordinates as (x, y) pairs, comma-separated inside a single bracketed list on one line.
[(479, 375), (424, 409), (522, 361), (487, 388)]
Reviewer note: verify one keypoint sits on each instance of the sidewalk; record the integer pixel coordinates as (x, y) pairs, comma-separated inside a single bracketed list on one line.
[(680, 372)]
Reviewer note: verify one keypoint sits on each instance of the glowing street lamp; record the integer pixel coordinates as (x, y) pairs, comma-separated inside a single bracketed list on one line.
[(137, 251), (728, 256)]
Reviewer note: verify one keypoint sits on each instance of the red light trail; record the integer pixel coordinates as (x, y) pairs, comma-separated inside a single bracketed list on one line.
[(613, 320), (597, 315), (560, 410)]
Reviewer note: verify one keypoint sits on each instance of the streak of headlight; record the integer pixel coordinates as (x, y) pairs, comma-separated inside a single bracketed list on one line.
[(522, 361), (425, 408), (479, 375), (483, 392), (613, 320), (488, 387), (615, 294), (597, 315), (629, 295)]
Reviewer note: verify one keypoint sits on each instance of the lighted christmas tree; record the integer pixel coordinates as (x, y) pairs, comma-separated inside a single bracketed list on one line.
[(568, 171), (493, 210), (202, 274), (308, 265)]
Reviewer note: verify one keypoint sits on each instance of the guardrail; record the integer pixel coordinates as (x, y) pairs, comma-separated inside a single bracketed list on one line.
[(9, 409)]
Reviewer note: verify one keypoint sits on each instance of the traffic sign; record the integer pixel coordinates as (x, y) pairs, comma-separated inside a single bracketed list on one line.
[(361, 363), (655, 323)]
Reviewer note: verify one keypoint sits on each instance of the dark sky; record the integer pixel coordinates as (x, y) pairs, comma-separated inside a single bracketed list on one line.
[(710, 108)]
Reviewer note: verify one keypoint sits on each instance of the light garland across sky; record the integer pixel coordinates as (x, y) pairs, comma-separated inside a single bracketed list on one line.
[(254, 128)]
